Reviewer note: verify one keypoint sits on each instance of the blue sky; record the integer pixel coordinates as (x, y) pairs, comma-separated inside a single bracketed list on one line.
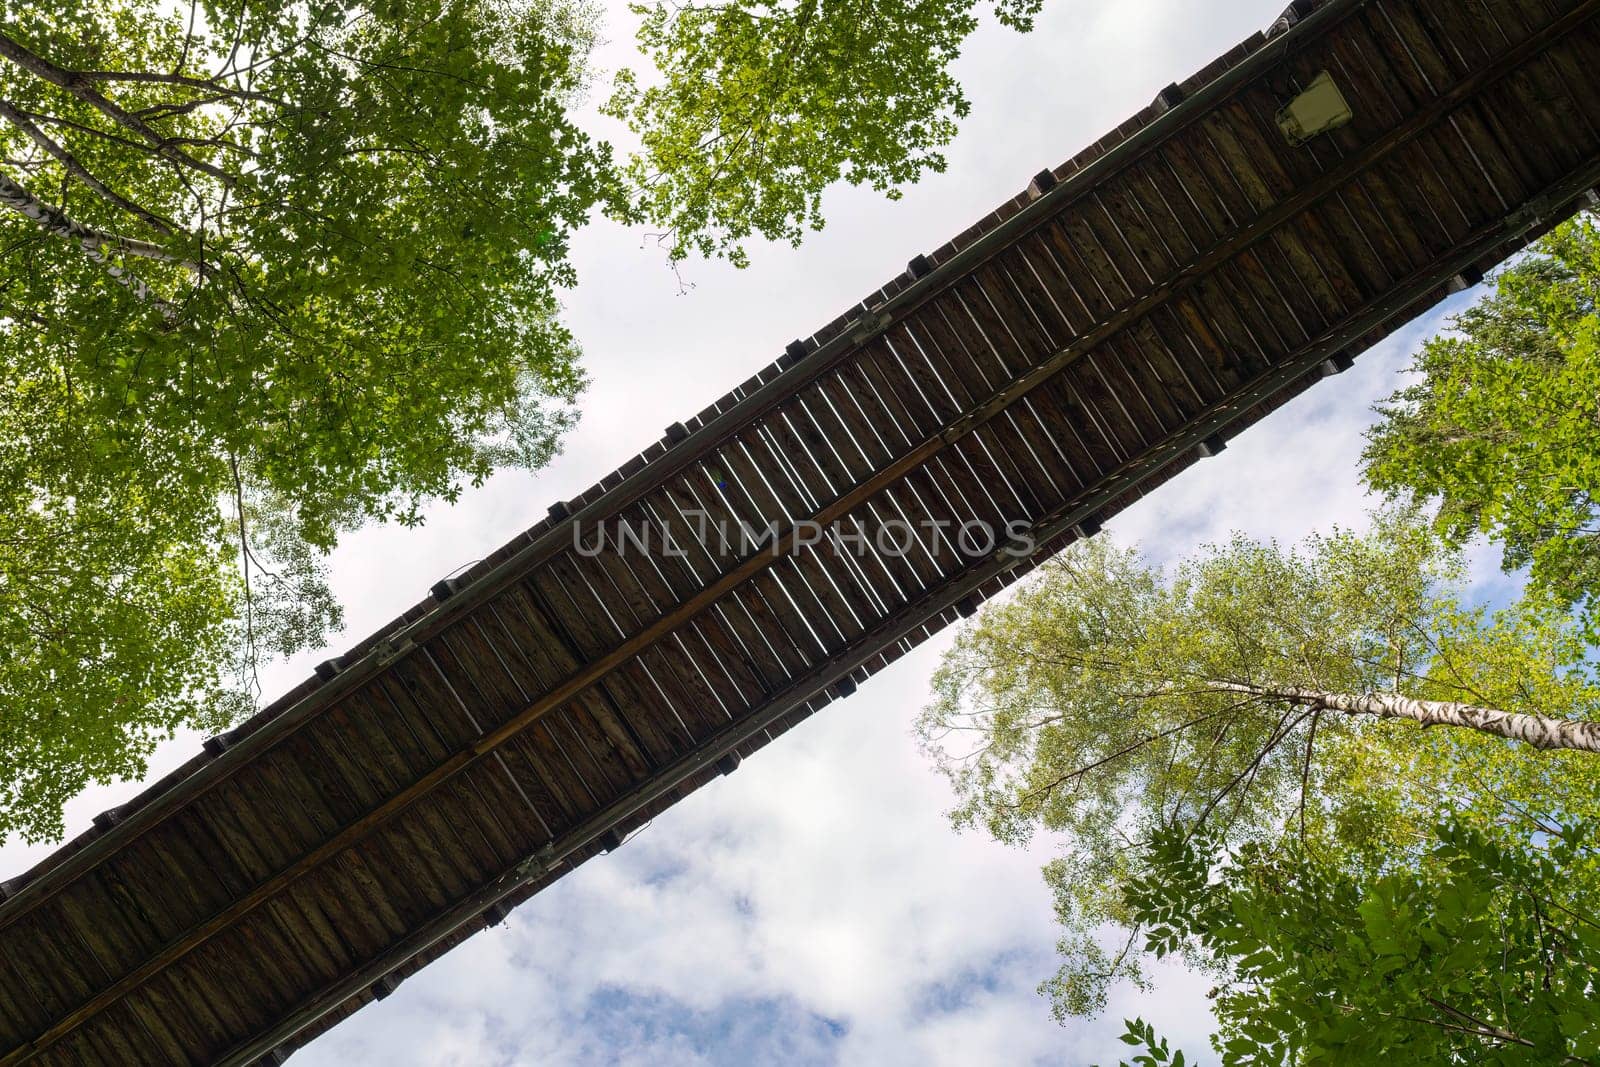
[(816, 907)]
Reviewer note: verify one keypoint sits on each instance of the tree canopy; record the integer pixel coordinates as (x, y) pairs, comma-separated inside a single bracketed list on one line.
[(762, 105), (270, 270), (1261, 695), (1502, 428)]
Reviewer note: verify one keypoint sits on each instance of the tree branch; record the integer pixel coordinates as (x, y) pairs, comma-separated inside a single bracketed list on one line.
[(12, 114), (207, 84), (79, 87), (93, 242)]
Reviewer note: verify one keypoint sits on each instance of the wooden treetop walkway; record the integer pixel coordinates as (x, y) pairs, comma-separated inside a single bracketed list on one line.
[(1088, 340)]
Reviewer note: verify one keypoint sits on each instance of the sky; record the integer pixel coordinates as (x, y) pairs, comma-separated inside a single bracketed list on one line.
[(816, 907)]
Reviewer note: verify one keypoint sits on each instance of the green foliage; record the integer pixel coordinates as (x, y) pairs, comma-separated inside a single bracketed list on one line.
[(1503, 428), (1104, 702), (764, 104), (1483, 949), (300, 272), (1156, 1051), (110, 633)]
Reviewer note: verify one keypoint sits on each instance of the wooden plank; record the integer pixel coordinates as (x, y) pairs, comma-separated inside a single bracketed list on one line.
[(618, 708), (1381, 97), (756, 498), (1309, 252), (1429, 47), (758, 606), (868, 452), (307, 913), (1475, 35)]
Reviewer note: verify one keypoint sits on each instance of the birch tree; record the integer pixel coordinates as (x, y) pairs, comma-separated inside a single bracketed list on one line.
[(1343, 694), (268, 270)]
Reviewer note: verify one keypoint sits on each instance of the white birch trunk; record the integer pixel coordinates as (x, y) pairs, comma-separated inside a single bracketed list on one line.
[(1540, 731), (93, 242)]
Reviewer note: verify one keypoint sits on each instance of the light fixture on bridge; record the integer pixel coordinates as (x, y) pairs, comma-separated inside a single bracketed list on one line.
[(1317, 110)]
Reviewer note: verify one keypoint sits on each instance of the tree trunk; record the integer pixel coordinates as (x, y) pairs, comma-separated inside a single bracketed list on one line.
[(1540, 731), (93, 242)]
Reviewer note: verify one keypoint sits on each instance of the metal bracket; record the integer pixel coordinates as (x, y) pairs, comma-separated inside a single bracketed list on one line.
[(1465, 280), (869, 325), (385, 985), (543, 858), (1012, 552), (1297, 11), (389, 651), (796, 351)]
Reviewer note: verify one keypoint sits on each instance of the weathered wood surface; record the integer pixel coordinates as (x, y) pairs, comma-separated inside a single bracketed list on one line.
[(1082, 344)]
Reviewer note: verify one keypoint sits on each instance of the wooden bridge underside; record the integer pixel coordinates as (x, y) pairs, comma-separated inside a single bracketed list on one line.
[(1079, 346)]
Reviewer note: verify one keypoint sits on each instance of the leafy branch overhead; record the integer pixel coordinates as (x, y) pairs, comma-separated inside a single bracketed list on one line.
[(762, 105), (1502, 428), (270, 270), (1483, 950)]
